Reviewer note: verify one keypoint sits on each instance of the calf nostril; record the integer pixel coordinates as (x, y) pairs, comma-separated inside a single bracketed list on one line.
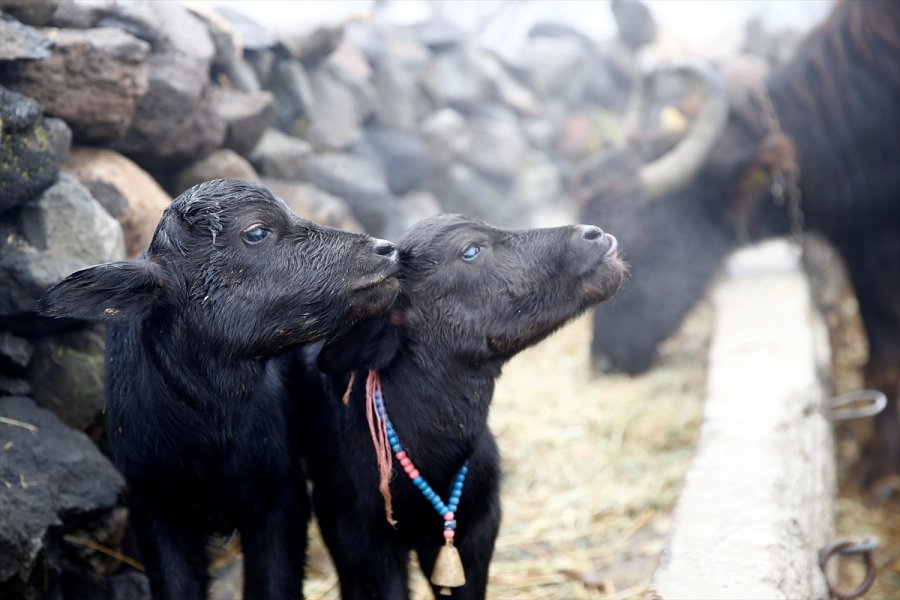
[(591, 232), (384, 248)]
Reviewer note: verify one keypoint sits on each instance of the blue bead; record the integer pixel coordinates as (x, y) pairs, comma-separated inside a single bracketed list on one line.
[(443, 510), (396, 448), (418, 481)]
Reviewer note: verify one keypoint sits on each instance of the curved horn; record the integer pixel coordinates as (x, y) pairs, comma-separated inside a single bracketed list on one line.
[(673, 169)]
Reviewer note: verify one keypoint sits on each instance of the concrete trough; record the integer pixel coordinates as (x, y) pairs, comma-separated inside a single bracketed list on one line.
[(758, 499)]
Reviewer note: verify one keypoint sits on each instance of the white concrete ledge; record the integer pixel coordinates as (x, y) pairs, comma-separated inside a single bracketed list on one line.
[(757, 502)]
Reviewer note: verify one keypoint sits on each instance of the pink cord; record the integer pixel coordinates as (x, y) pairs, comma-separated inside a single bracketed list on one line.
[(346, 398), (378, 429)]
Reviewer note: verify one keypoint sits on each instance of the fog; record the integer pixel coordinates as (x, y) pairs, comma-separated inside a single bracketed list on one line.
[(707, 27)]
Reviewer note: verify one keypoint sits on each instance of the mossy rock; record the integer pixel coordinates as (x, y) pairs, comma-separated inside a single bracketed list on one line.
[(67, 376), (31, 149)]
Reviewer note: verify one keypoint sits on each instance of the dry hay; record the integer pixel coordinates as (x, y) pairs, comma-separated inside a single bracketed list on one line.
[(592, 467)]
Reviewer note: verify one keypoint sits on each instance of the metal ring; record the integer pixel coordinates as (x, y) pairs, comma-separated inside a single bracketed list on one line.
[(876, 402), (846, 546)]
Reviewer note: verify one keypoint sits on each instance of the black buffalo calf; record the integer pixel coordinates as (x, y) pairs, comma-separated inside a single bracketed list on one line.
[(471, 297), (200, 337)]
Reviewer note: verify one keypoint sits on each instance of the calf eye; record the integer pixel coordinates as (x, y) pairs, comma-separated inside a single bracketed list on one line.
[(471, 252), (255, 234)]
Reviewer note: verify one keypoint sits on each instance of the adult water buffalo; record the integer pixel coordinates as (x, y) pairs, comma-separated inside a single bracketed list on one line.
[(812, 148)]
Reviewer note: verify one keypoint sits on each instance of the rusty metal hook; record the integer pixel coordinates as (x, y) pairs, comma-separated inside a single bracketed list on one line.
[(876, 401), (845, 546)]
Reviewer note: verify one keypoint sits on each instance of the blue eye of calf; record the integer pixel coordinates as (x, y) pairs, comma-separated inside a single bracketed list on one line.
[(471, 252), (255, 234)]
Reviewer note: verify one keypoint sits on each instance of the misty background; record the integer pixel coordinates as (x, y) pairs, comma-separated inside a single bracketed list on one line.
[(712, 28)]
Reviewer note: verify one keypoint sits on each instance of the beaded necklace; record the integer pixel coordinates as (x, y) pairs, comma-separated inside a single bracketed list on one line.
[(448, 570)]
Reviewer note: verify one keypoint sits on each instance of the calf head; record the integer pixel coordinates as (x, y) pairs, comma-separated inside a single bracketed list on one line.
[(475, 294), (231, 267)]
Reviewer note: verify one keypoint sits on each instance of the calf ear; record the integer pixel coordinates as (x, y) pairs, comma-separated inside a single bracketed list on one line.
[(370, 344), (109, 291)]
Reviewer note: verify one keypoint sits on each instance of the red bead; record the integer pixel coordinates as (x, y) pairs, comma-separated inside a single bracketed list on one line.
[(409, 468), (401, 455), (414, 473), (449, 516), (448, 534), (405, 462)]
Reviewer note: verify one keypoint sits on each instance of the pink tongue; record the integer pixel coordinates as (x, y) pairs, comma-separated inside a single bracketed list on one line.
[(613, 251)]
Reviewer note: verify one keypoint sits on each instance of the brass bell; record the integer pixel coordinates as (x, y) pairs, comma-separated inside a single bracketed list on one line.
[(448, 569)]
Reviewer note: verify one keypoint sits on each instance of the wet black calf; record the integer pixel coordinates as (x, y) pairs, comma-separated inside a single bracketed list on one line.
[(471, 297), (201, 332)]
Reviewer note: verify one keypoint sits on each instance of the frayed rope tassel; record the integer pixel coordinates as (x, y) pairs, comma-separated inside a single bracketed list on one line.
[(378, 429)]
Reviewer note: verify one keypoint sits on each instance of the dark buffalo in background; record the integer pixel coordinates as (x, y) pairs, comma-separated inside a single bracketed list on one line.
[(814, 148)]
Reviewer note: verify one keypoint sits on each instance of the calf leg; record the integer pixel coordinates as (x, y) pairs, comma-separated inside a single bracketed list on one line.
[(372, 564), (274, 545), (476, 547), (175, 556), (379, 574), (478, 520)]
